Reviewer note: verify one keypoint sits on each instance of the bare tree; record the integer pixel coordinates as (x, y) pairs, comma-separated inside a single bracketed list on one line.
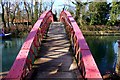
[(18, 14), (32, 10), (48, 5), (14, 8), (52, 2), (40, 7), (8, 12), (36, 10), (25, 4), (3, 13), (45, 6)]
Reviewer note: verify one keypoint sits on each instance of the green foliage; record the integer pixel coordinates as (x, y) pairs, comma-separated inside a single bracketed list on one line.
[(98, 12), (78, 7), (71, 12), (114, 12), (81, 15)]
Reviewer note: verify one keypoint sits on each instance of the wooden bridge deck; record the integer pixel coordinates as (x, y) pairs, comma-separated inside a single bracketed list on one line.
[(55, 60)]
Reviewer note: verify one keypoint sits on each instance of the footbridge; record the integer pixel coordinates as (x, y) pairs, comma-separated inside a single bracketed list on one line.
[(54, 50)]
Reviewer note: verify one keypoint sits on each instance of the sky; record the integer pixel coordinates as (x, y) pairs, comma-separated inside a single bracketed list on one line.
[(58, 4)]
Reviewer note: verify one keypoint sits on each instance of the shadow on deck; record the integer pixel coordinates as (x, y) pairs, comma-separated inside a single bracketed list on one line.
[(55, 59)]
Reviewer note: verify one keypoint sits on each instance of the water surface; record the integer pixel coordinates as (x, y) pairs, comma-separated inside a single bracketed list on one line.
[(105, 51), (10, 48)]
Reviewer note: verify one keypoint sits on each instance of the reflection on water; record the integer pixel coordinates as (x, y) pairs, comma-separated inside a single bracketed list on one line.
[(104, 49), (105, 52), (10, 49), (118, 62)]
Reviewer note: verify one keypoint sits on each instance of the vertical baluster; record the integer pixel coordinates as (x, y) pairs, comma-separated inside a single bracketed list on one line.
[(82, 68)]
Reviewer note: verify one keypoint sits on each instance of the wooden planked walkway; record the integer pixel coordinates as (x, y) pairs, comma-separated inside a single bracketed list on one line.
[(55, 60)]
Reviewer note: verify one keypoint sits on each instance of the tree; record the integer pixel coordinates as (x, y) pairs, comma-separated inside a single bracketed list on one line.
[(80, 11), (8, 4), (3, 13), (40, 7), (52, 2), (18, 13), (27, 8), (45, 6), (14, 8), (32, 16), (36, 10), (114, 12), (98, 12)]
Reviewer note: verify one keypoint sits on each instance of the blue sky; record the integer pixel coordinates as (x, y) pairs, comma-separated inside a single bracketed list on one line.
[(57, 4)]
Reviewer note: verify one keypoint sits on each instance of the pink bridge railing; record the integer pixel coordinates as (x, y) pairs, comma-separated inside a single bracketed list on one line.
[(85, 60), (25, 58)]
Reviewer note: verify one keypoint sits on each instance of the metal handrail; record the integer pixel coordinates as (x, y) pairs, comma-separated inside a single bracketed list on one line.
[(85, 60), (26, 56)]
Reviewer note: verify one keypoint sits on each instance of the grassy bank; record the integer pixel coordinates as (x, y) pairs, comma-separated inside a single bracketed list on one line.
[(100, 30), (101, 33)]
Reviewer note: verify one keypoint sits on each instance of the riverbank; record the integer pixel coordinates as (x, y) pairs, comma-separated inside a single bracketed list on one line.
[(100, 30), (101, 33), (18, 30)]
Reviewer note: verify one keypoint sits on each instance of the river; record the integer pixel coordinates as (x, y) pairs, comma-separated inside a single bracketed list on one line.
[(105, 52), (10, 48)]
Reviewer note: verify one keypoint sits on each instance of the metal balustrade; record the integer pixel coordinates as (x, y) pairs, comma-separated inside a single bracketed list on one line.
[(85, 60)]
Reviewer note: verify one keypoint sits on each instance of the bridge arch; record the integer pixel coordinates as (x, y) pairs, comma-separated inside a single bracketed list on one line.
[(85, 60), (23, 62)]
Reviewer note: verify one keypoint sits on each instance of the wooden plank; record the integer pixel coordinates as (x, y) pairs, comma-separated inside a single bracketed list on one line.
[(55, 60)]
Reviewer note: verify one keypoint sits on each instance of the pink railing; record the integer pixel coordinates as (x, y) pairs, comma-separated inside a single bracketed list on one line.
[(85, 60), (25, 58)]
